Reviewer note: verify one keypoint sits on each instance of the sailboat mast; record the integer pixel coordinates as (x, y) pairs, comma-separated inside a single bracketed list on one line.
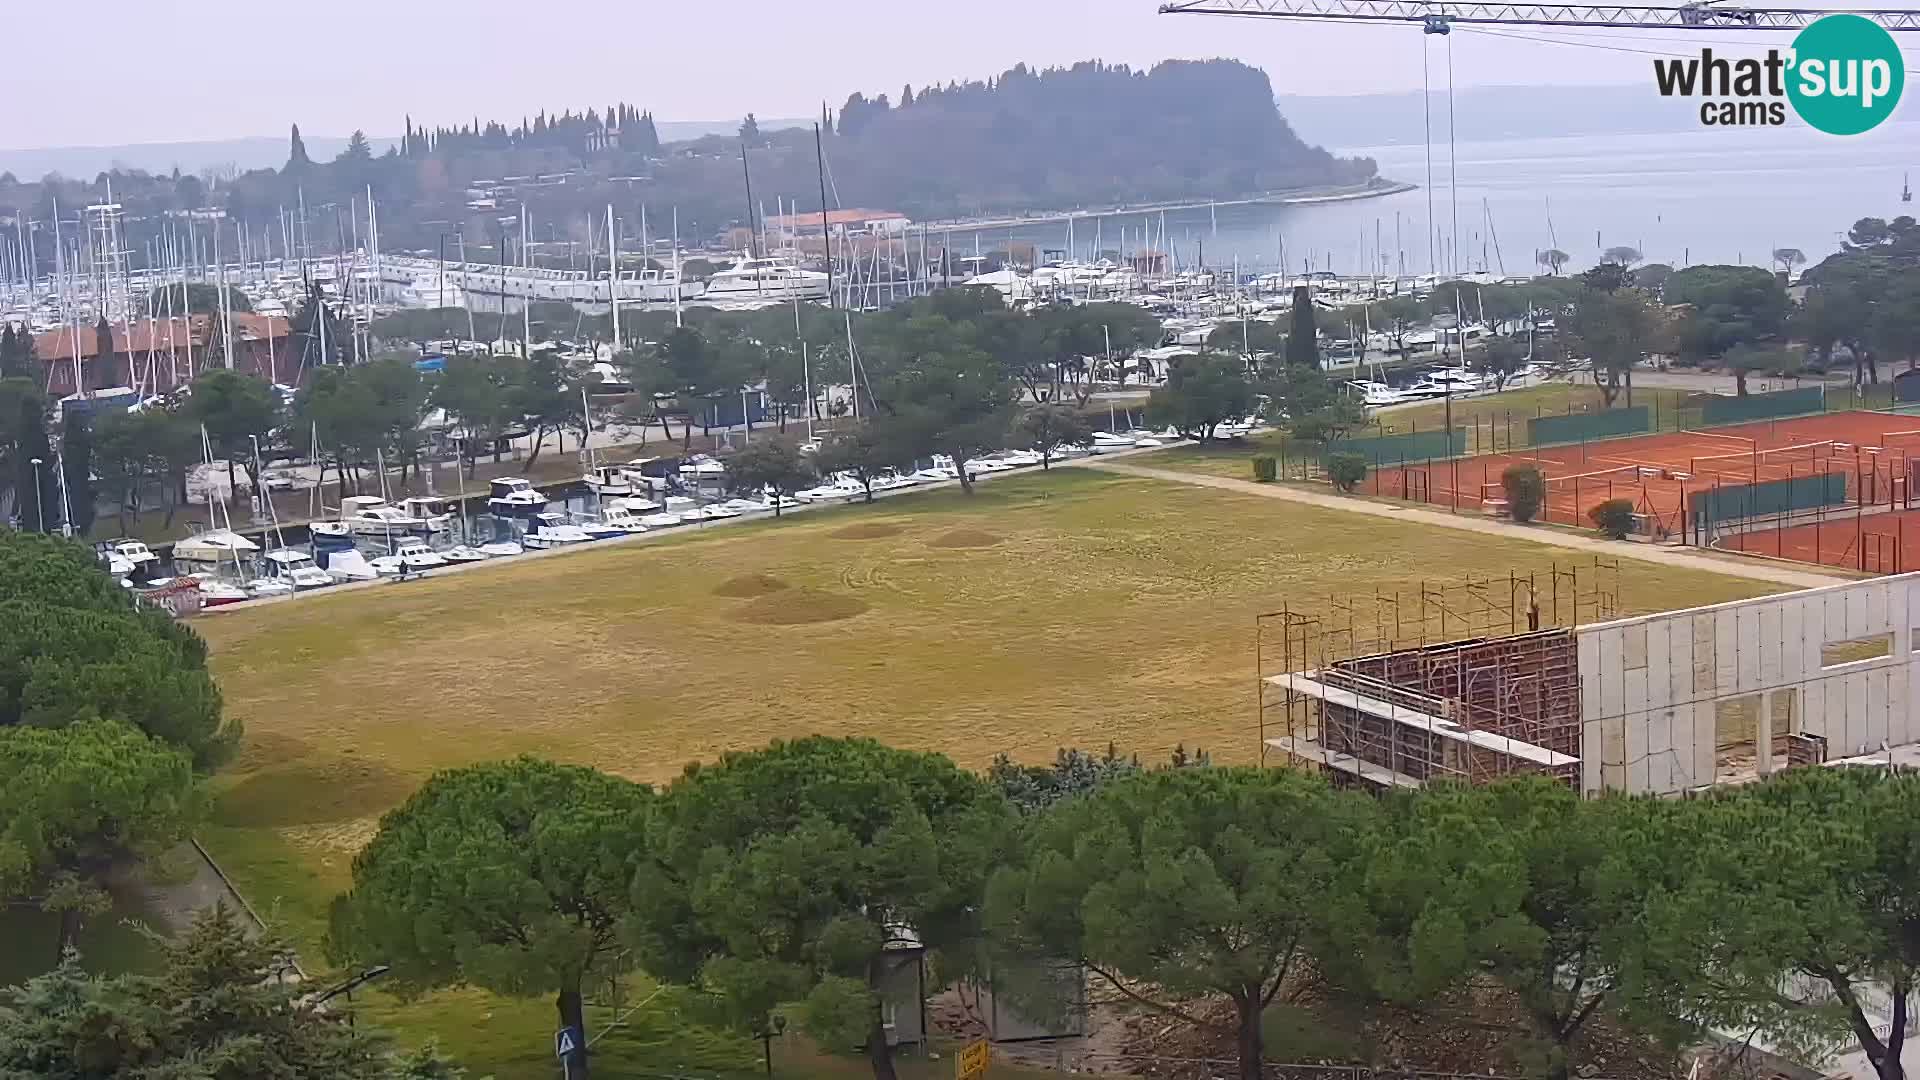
[(613, 278)]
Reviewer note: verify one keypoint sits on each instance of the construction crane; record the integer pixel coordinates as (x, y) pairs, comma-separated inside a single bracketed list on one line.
[(1437, 18)]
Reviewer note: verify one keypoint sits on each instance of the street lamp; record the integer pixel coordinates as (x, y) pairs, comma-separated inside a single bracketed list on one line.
[(39, 504)]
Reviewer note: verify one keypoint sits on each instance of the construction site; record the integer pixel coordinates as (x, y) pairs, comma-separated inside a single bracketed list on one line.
[(1537, 673)]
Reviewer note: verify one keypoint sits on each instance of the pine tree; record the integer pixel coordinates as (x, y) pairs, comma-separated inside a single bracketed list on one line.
[(906, 95), (1303, 339), (76, 464), (31, 444), (297, 153), (9, 364)]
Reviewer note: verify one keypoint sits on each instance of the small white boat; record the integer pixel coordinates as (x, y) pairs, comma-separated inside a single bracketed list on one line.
[(515, 496), (608, 480), (336, 530), (679, 502), (703, 467), (501, 549), (369, 515), (613, 521), (661, 520), (137, 554), (747, 506), (349, 565), (387, 565), (977, 466), (259, 588), (639, 504), (415, 555), (839, 489), (933, 475), (461, 553), (717, 512), (295, 568), (1107, 442), (435, 514), (217, 593), (554, 530), (118, 566)]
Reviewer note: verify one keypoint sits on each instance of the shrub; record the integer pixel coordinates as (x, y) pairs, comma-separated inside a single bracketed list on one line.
[(1614, 517), (1525, 489), (1266, 468), (1346, 470)]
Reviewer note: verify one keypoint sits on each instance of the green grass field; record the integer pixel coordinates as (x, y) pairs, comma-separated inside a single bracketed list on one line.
[(1073, 608)]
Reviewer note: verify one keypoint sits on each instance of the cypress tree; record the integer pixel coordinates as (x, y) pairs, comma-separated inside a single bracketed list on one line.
[(1303, 340)]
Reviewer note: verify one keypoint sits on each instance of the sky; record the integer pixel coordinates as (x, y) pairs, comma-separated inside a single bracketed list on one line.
[(366, 64)]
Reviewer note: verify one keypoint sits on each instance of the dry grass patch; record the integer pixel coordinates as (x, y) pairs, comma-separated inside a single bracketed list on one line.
[(799, 606), (748, 586), (964, 538)]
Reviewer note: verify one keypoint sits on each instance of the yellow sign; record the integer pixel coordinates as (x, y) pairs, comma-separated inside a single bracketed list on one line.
[(973, 1060)]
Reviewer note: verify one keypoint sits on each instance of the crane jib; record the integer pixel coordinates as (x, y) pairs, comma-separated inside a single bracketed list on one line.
[(1683, 16)]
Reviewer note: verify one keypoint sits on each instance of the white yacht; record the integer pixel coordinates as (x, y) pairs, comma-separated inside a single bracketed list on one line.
[(435, 514), (514, 496), (607, 481), (294, 568), (766, 278), (369, 515), (552, 530), (414, 554)]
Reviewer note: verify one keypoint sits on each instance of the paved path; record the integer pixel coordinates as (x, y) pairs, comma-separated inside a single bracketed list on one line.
[(1733, 566)]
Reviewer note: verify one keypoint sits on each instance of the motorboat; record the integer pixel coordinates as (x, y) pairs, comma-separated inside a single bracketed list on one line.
[(416, 555), (137, 554), (515, 496), (842, 488), (263, 587), (331, 530), (217, 593), (215, 546), (501, 549), (552, 530), (369, 515), (295, 568), (977, 466), (617, 521), (766, 278), (934, 474), (678, 502), (1376, 394), (717, 512), (461, 553), (661, 520), (387, 565), (703, 467), (608, 480), (637, 503), (435, 513), (118, 567), (348, 564), (747, 506), (1107, 442)]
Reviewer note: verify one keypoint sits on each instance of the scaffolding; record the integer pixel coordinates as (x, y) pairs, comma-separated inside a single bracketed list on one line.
[(1468, 679)]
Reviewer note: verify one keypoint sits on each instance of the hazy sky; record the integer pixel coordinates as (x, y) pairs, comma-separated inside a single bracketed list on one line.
[(168, 70)]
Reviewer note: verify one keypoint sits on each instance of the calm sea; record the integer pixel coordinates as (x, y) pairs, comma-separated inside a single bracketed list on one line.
[(1728, 195)]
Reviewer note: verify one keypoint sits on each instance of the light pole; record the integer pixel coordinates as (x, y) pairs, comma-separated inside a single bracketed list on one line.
[(39, 504)]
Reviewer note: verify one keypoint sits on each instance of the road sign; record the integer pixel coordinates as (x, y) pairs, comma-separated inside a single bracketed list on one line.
[(973, 1060), (567, 1042)]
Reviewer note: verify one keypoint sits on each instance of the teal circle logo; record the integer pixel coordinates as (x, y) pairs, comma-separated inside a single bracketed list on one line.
[(1846, 74)]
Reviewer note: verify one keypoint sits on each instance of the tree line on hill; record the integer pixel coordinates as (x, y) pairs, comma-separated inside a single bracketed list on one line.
[(1027, 139)]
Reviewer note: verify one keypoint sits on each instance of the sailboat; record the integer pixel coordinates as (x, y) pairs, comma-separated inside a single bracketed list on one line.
[(1906, 189)]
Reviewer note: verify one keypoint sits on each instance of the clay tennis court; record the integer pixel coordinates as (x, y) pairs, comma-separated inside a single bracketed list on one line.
[(1661, 472), (1871, 540)]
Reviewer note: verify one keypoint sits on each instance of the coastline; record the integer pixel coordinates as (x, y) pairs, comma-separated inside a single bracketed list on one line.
[(1373, 189)]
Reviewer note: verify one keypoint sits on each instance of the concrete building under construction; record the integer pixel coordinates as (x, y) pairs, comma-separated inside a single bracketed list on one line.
[(1537, 673)]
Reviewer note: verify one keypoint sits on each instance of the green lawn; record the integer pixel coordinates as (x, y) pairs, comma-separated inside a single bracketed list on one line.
[(1073, 608)]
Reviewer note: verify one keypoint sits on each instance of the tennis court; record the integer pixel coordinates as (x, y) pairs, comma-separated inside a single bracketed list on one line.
[(1662, 472), (1882, 542)]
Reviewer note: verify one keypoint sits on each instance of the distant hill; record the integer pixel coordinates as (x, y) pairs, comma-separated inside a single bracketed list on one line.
[(1489, 112), (257, 151)]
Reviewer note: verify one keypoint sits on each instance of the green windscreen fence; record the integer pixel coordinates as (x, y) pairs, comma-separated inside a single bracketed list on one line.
[(1708, 510), (1387, 450), (1739, 410), (1579, 427)]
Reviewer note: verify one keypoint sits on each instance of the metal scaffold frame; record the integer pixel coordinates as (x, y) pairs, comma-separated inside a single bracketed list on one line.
[(1467, 679)]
